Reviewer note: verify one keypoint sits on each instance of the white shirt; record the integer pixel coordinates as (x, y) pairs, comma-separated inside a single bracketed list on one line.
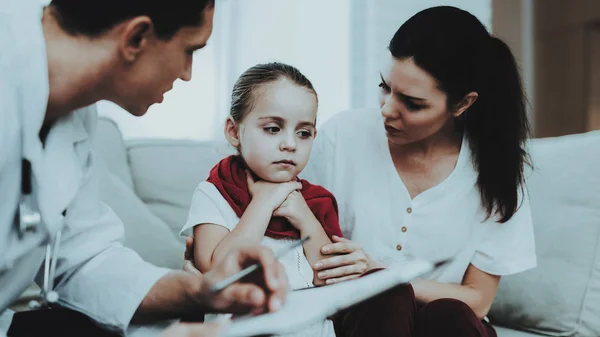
[(351, 158), (210, 207), (98, 276)]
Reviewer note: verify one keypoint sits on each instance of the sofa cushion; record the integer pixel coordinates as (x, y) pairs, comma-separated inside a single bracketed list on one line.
[(110, 145), (166, 173), (562, 296), (145, 233)]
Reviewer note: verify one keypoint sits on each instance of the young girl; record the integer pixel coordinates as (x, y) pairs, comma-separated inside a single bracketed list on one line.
[(255, 197)]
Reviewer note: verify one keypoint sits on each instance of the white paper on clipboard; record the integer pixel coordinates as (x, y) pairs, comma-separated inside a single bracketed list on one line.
[(306, 307)]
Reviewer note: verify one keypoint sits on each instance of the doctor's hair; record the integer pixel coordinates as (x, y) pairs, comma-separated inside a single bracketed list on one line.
[(456, 49), (253, 81), (92, 18)]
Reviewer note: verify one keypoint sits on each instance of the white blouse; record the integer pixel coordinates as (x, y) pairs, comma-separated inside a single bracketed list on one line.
[(351, 158), (209, 207)]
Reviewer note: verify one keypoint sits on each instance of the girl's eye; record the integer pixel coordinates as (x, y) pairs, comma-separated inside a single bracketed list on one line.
[(271, 129), (305, 134)]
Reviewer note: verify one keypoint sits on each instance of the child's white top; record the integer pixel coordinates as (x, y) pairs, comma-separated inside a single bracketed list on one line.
[(210, 207), (351, 158)]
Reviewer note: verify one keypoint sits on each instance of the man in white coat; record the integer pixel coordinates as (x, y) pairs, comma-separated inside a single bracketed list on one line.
[(55, 63)]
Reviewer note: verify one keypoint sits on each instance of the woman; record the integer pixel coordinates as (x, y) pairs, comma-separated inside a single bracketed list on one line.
[(436, 173)]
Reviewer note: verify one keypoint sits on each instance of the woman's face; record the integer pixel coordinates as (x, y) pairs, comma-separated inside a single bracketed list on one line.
[(412, 105)]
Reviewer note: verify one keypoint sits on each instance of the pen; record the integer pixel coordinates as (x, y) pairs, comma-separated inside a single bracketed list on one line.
[(237, 276)]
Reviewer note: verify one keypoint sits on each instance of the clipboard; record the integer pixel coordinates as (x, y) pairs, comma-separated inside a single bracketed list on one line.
[(310, 306)]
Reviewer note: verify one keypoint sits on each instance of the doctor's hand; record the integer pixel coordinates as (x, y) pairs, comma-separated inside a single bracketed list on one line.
[(349, 261), (194, 330), (262, 291)]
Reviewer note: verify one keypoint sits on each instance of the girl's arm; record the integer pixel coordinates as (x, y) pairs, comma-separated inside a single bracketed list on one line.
[(312, 248), (212, 242), (295, 209)]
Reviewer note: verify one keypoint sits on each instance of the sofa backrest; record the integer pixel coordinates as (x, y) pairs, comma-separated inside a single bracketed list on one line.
[(562, 296), (145, 232), (166, 172), (109, 144)]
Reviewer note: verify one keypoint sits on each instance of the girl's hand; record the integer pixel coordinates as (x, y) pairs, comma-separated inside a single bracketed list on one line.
[(350, 261), (295, 210), (272, 195)]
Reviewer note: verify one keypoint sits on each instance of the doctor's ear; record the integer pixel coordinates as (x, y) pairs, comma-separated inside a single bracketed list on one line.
[(135, 37), (232, 132)]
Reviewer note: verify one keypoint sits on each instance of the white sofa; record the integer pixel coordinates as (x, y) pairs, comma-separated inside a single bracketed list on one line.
[(149, 184)]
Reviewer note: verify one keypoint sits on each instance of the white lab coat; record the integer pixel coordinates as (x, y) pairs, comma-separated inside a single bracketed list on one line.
[(95, 273)]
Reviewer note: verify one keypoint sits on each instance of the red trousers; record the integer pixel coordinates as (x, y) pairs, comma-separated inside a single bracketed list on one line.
[(396, 313)]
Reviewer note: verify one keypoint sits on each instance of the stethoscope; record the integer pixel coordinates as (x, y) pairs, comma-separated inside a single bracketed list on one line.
[(29, 219)]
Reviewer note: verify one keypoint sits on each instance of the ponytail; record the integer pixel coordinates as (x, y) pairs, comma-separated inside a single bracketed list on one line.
[(497, 128)]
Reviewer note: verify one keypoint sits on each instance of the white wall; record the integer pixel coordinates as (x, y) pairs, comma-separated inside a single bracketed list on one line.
[(565, 59), (189, 111), (310, 34), (513, 23)]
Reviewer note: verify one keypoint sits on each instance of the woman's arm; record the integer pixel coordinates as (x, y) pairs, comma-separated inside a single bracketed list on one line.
[(477, 290)]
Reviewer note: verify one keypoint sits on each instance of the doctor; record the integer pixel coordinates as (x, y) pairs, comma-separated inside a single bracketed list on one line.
[(56, 62)]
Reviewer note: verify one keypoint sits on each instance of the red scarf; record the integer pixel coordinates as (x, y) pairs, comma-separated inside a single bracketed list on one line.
[(229, 178)]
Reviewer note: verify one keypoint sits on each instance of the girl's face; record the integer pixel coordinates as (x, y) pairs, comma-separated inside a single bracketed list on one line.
[(275, 138), (413, 106)]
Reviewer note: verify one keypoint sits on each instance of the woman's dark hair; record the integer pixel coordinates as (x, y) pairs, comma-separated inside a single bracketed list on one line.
[(255, 78), (457, 50), (94, 17)]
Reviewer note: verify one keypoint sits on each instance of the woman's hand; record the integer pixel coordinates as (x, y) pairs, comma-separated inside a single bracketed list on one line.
[(349, 261), (271, 195)]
